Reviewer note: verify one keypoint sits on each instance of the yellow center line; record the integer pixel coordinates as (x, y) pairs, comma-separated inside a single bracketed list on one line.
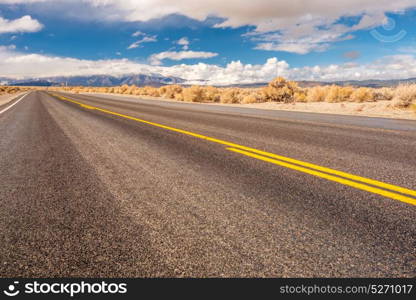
[(343, 181), (274, 158)]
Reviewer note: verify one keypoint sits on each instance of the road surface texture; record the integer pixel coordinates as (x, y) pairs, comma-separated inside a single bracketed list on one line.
[(89, 189)]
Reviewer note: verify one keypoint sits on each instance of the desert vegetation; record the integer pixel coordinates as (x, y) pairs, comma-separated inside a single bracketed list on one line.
[(4, 90), (278, 90)]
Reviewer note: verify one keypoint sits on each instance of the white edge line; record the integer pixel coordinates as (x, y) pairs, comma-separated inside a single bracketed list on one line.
[(7, 108)]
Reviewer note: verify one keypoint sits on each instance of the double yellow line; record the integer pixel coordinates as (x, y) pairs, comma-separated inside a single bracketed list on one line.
[(362, 183)]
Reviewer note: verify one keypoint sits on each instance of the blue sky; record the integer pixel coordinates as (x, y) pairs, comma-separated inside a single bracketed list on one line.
[(223, 43)]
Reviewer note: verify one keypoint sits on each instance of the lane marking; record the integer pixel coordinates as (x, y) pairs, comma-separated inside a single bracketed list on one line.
[(7, 108), (343, 181), (262, 155)]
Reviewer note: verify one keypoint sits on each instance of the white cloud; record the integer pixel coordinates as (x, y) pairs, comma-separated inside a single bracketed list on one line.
[(184, 42), (15, 64), (138, 33), (23, 24), (156, 59), (232, 73), (145, 39)]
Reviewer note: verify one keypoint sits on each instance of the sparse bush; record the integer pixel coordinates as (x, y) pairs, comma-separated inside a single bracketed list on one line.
[(193, 94), (333, 94), (316, 94), (170, 91), (212, 94), (404, 95), (362, 94), (300, 96), (280, 90), (230, 95), (152, 91), (413, 107), (250, 98), (383, 94), (336, 93), (179, 97)]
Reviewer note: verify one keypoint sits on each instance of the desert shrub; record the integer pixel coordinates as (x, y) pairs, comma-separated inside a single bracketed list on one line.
[(280, 90), (249, 98), (345, 93), (383, 94), (11, 89), (333, 94), (229, 95), (362, 94), (153, 92), (336, 93), (123, 89), (179, 97), (316, 94), (300, 96), (170, 91), (212, 94), (137, 91), (162, 90), (404, 95), (129, 90), (193, 94), (145, 90), (413, 107)]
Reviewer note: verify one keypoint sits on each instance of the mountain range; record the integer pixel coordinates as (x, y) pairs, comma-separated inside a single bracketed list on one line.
[(159, 80), (95, 80)]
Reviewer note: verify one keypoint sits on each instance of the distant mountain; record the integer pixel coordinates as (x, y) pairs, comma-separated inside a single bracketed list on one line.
[(159, 80), (96, 80), (35, 82)]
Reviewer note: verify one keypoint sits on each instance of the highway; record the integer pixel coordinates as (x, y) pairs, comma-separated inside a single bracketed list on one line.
[(109, 186)]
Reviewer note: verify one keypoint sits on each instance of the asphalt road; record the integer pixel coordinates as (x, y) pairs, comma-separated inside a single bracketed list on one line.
[(90, 188)]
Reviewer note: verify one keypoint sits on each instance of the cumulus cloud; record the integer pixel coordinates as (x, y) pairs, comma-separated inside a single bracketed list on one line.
[(15, 64), (23, 24), (156, 59)]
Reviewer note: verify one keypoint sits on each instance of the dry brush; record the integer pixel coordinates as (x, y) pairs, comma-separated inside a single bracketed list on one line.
[(278, 90)]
